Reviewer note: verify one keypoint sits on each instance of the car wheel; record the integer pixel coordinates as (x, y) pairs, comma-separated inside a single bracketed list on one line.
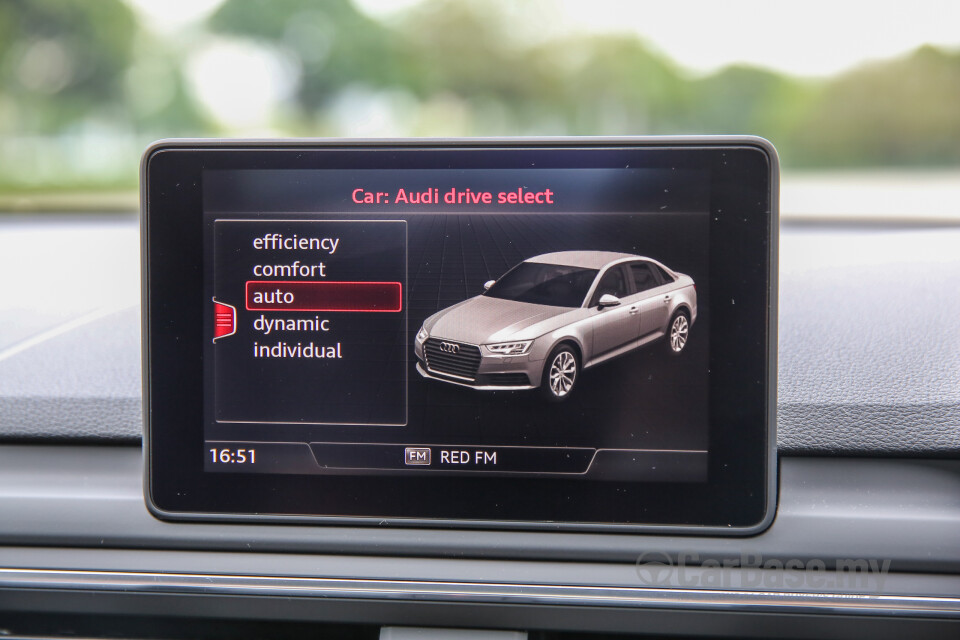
[(560, 373), (678, 332)]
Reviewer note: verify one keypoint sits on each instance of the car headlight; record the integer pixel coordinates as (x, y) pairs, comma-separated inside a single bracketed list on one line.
[(510, 348), (422, 335)]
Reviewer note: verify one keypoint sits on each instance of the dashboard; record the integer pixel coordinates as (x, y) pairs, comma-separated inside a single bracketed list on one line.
[(864, 542)]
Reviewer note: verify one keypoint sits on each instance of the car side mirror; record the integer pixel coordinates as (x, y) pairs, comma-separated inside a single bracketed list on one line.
[(488, 284), (608, 300)]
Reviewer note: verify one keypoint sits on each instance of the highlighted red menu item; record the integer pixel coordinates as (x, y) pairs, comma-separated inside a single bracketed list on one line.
[(358, 297)]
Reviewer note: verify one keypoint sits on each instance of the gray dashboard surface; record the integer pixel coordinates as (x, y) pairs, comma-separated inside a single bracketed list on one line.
[(869, 341), (905, 512), (859, 548)]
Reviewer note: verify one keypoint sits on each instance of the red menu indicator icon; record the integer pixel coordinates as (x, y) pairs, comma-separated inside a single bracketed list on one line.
[(224, 320)]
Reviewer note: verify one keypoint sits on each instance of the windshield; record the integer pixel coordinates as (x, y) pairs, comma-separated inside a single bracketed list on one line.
[(86, 86), (538, 283)]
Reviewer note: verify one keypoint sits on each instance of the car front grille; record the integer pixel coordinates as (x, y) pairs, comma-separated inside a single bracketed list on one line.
[(464, 363)]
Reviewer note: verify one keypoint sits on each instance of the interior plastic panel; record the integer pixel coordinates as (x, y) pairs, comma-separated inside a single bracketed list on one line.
[(76, 539), (904, 511)]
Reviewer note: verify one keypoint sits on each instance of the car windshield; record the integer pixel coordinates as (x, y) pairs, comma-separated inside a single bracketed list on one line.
[(86, 86), (539, 283)]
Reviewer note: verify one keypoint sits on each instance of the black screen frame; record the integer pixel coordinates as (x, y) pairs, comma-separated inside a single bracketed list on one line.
[(740, 496)]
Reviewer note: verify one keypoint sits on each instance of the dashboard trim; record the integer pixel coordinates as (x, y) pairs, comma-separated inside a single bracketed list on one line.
[(483, 592), (905, 511)]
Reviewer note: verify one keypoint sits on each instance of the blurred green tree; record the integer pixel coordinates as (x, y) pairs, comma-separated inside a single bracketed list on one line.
[(74, 73), (899, 112), (60, 61)]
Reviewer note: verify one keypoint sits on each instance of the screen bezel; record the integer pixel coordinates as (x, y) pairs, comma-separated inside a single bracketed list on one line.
[(740, 495)]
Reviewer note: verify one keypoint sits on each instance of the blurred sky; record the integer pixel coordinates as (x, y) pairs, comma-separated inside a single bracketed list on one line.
[(807, 37)]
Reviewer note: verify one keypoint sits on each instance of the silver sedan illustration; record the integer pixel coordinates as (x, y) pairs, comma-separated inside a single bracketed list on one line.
[(553, 315)]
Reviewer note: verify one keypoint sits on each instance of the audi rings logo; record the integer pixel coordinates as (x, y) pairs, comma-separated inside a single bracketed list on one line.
[(449, 347)]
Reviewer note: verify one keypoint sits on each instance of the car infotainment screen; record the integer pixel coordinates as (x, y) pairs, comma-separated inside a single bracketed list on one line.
[(557, 334)]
